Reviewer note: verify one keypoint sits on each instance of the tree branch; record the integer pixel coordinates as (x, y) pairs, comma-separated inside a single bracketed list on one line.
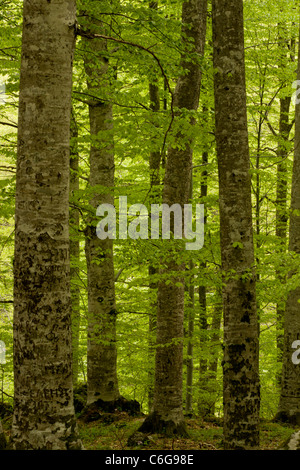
[(8, 124), (90, 35)]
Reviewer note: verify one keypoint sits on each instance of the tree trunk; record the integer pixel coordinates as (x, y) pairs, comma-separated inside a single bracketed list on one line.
[(203, 324), (102, 351), (215, 347), (289, 403), (43, 392), (190, 345), (203, 337), (281, 205), (167, 415), (74, 247), (281, 181), (240, 366), (208, 390), (154, 169)]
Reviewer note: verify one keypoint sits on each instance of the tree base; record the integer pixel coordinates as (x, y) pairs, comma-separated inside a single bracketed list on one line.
[(6, 409), (154, 424), (56, 437), (108, 410), (79, 397), (293, 443), (288, 418)]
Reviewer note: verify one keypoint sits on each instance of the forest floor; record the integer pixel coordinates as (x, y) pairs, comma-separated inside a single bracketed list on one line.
[(204, 435), (112, 430)]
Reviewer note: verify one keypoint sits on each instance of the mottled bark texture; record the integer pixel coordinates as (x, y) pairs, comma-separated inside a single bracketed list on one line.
[(203, 323), (74, 246), (190, 345), (289, 403), (285, 49), (240, 366), (167, 412), (281, 205), (154, 170), (43, 393), (208, 387), (102, 351)]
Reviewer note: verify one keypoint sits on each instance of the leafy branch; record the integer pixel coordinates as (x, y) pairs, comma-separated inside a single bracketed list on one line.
[(90, 35)]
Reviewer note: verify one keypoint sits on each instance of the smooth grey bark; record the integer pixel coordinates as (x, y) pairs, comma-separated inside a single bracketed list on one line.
[(281, 205), (281, 224), (240, 363), (43, 391), (203, 338), (190, 287), (215, 343), (289, 402), (190, 345), (167, 414), (203, 324), (208, 387), (154, 170), (152, 339), (102, 380), (74, 247)]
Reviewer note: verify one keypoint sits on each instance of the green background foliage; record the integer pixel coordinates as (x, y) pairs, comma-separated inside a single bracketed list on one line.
[(136, 30)]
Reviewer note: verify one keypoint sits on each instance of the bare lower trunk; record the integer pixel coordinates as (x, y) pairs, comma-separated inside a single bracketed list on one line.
[(43, 392), (203, 324), (102, 350), (152, 340), (168, 401), (285, 50), (154, 170), (203, 337), (190, 345), (281, 205), (208, 387), (74, 249), (240, 365), (289, 403)]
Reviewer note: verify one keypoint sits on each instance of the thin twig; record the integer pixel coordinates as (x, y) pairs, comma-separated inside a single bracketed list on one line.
[(90, 35), (2, 391), (8, 124)]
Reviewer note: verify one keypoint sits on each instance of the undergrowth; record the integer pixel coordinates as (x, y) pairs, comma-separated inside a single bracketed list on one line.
[(113, 434)]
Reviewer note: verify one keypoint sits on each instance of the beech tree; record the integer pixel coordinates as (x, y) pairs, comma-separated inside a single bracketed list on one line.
[(154, 170), (137, 130), (102, 379), (43, 395), (287, 52), (74, 246), (289, 403), (167, 412), (240, 363)]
